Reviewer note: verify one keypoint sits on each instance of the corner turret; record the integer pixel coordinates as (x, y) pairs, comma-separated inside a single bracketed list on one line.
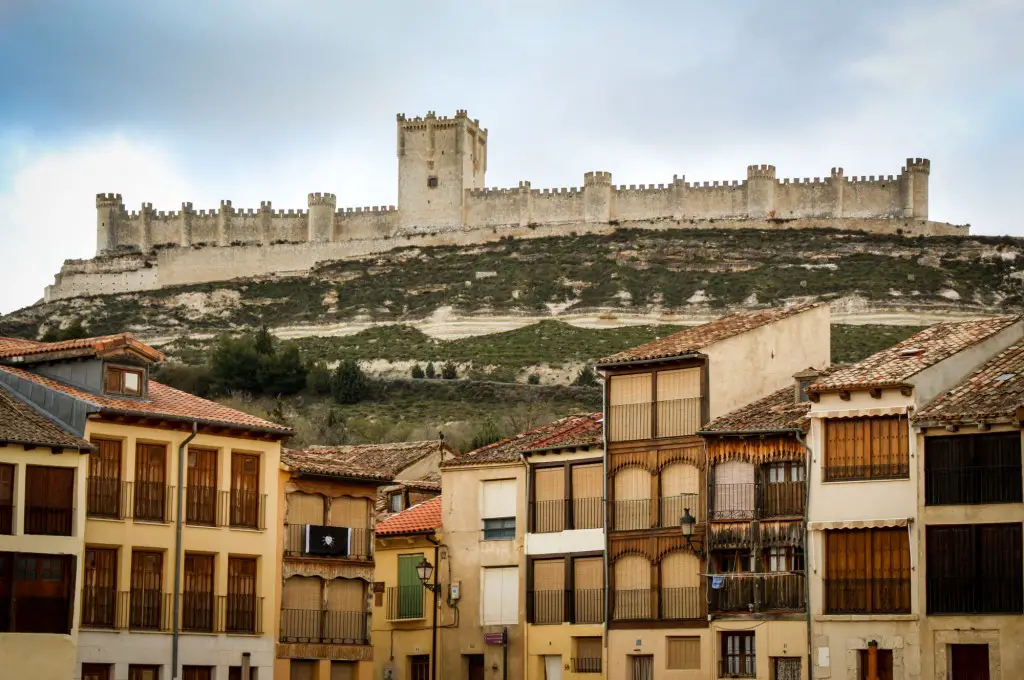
[(321, 217), (760, 191), (915, 187), (109, 212)]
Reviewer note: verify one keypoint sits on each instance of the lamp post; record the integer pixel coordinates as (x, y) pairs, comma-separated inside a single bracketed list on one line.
[(686, 525), (424, 570)]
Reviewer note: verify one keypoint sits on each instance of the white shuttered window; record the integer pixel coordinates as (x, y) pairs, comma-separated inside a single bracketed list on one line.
[(500, 595), (498, 508)]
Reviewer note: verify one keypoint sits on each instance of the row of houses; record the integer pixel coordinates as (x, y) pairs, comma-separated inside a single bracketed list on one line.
[(740, 508)]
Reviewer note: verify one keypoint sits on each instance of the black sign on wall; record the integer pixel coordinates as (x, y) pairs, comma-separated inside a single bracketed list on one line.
[(332, 541)]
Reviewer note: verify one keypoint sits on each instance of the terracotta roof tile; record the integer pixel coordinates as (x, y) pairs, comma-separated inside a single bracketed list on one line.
[(778, 411), (18, 347), (894, 366), (571, 431), (162, 401), (415, 520), (369, 461), (22, 424), (994, 391), (694, 339)]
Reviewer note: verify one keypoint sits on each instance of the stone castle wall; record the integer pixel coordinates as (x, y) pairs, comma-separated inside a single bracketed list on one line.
[(442, 201)]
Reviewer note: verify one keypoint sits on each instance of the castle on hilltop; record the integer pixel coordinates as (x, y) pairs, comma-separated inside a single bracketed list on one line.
[(442, 200)]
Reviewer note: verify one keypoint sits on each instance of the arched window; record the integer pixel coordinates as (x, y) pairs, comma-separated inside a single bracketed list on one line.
[(632, 508), (734, 491)]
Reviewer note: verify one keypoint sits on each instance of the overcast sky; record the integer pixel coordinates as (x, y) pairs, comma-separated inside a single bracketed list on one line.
[(249, 100)]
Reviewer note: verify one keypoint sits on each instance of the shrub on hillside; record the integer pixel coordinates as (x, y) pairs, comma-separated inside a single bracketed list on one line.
[(417, 372), (73, 331), (349, 385), (586, 378), (488, 433), (256, 364), (448, 371), (192, 379), (318, 378), (431, 372), (534, 379)]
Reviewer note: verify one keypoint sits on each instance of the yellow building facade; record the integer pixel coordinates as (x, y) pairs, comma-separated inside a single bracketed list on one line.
[(178, 560), (42, 521)]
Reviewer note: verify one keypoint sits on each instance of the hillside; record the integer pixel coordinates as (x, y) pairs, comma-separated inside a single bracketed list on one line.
[(670, 276)]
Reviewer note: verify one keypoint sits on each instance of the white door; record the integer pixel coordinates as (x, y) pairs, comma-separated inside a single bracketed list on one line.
[(552, 667)]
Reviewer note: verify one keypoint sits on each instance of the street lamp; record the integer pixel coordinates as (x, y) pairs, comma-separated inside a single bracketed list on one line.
[(686, 524), (425, 570)]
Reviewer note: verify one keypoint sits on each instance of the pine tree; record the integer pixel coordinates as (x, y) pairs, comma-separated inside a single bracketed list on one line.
[(350, 384), (431, 373), (417, 372), (448, 371), (586, 378)]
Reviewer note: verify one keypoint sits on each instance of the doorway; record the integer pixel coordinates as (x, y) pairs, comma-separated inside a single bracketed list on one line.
[(552, 667), (641, 667), (968, 662), (474, 667)]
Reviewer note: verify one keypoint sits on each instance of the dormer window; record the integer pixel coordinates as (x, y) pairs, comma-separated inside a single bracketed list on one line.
[(801, 390), (120, 380), (395, 502)]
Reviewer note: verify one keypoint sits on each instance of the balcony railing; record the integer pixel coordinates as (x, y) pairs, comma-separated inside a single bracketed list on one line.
[(6, 518), (32, 614), (107, 497), (43, 520), (969, 595), (241, 613), (360, 542), (323, 627), (151, 609), (738, 667), (970, 485), (748, 501), (893, 470), (867, 596), (631, 514), (565, 606), (733, 501), (673, 418), (672, 508), (757, 593), (245, 509), (152, 502), (405, 602), (567, 513), (201, 505), (782, 499), (668, 604), (586, 664)]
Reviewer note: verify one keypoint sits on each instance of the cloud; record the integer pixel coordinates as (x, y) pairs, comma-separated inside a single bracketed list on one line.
[(47, 211)]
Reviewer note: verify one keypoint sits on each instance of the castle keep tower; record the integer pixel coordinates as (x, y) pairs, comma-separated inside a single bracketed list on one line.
[(109, 211), (438, 159)]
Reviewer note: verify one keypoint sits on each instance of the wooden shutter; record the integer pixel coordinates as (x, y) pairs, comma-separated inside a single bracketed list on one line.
[(632, 572), (588, 480), (588, 648), (302, 592), (105, 461), (346, 595), (347, 511), (245, 472), (629, 401), (143, 672), (549, 575), (679, 404), (201, 499), (680, 570), (197, 673), (680, 489), (343, 670), (683, 653), (49, 499), (498, 498), (147, 570), (305, 508), (548, 492), (632, 509), (302, 670), (734, 490), (867, 447), (6, 499), (96, 671), (150, 481), (99, 590), (197, 592), (242, 576), (588, 573)]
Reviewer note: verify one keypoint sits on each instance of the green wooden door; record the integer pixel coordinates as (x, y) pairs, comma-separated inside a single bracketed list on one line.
[(410, 591)]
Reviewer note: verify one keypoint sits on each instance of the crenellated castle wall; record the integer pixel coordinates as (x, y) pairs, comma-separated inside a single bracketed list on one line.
[(442, 202)]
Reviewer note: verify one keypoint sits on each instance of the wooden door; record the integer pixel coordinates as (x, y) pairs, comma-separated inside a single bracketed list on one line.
[(140, 672), (6, 499), (245, 490), (197, 593), (419, 667), (99, 592), (150, 482), (475, 667), (201, 497), (146, 589), (96, 671), (49, 499), (241, 607), (104, 485), (197, 673), (969, 662)]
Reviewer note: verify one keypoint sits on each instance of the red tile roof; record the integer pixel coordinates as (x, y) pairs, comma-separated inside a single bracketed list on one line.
[(418, 519), (11, 348), (993, 392), (694, 339), (162, 401), (572, 431), (368, 461), (22, 424), (892, 367)]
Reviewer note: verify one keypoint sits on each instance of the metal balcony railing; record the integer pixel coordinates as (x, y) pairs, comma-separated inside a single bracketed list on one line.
[(44, 520), (583, 605), (107, 497), (405, 602), (867, 596), (672, 508), (782, 499), (743, 593), (881, 470), (153, 502), (970, 595), (360, 543), (743, 666), (324, 627), (151, 609), (201, 505), (667, 604), (240, 613), (586, 664), (631, 514), (672, 418), (243, 509), (564, 514)]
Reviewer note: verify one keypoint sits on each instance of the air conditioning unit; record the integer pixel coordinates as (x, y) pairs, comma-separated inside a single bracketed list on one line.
[(327, 541)]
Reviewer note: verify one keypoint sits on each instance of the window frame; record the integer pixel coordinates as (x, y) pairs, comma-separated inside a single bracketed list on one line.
[(746, 657), (121, 388), (872, 469), (973, 567), (967, 459), (499, 528)]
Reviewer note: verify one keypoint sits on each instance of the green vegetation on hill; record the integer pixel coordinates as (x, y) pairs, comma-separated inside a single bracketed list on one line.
[(853, 343), (631, 270)]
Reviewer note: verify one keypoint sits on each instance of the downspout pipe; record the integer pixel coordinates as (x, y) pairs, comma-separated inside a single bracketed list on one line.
[(604, 481), (527, 529), (807, 552), (177, 550)]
